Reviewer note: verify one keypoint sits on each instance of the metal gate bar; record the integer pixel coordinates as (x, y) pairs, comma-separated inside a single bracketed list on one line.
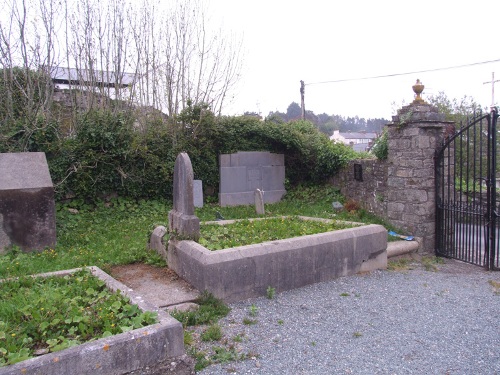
[(466, 194)]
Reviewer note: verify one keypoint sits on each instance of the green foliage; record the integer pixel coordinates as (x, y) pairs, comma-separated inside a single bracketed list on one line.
[(270, 292), (59, 312), (210, 311), (380, 148), (246, 232)]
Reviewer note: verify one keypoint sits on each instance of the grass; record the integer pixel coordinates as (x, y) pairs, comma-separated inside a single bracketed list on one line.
[(117, 232), (42, 315), (246, 232)]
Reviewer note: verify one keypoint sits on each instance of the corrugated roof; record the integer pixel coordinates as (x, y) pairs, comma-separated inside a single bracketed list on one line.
[(97, 77)]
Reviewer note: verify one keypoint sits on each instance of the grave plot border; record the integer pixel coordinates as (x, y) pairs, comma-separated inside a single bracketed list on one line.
[(116, 354), (248, 271)]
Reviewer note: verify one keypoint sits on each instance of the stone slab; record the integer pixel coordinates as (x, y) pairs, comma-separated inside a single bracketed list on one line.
[(198, 193), (27, 207)]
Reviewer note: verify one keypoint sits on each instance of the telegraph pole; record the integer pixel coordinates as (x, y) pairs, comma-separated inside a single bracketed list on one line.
[(492, 88), (302, 105)]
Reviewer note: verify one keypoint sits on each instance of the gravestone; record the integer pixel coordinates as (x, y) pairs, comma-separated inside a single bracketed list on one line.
[(198, 193), (259, 202), (243, 172), (27, 208), (182, 221)]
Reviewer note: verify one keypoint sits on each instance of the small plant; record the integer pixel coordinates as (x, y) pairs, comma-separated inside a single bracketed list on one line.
[(270, 292), (212, 333), (253, 310), (496, 286), (430, 263), (249, 322), (238, 338), (401, 264), (357, 334), (210, 311), (351, 206), (280, 322), (345, 294)]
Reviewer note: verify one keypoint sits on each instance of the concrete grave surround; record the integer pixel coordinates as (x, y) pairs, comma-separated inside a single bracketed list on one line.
[(27, 208), (181, 219), (247, 271), (116, 354), (243, 172)]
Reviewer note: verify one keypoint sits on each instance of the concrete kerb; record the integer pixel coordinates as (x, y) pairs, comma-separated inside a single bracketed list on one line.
[(247, 271), (116, 354)]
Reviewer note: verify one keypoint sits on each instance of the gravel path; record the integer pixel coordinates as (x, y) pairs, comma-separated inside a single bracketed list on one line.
[(385, 322)]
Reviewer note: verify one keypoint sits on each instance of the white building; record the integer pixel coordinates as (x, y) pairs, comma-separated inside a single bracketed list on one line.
[(359, 141)]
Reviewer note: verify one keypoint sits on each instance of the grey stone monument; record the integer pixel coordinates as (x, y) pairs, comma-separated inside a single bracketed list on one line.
[(27, 208), (182, 222), (243, 172), (198, 193)]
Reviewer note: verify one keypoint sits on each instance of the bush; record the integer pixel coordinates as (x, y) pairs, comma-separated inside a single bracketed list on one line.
[(380, 148)]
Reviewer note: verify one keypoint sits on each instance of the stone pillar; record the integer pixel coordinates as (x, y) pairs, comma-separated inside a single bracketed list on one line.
[(182, 222), (414, 135)]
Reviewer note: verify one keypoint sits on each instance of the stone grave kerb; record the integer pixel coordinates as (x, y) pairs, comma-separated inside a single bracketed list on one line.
[(182, 223)]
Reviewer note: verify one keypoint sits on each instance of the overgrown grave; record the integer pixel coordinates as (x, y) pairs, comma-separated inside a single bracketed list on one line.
[(133, 333), (247, 271)]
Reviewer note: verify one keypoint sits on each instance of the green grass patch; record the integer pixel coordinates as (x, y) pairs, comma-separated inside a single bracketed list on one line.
[(53, 313), (210, 311), (247, 232)]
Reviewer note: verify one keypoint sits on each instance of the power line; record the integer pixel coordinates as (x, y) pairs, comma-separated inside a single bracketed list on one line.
[(404, 74)]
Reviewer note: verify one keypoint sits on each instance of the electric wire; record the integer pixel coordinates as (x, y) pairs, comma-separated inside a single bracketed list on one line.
[(403, 74)]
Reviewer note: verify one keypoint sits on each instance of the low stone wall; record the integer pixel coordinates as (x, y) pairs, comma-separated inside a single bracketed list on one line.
[(365, 181), (247, 271)]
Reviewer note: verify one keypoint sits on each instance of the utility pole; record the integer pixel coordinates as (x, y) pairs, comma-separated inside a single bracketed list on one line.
[(302, 105), (492, 88)]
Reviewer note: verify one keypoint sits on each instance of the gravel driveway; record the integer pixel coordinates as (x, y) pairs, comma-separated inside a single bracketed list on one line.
[(386, 322)]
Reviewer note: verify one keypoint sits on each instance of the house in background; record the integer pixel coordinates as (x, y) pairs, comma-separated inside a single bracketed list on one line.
[(359, 141)]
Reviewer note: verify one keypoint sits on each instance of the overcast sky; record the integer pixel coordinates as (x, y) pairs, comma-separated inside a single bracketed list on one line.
[(286, 41)]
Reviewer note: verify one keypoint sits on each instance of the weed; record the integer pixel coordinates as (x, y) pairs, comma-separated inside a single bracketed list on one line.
[(281, 322), (496, 286), (253, 310), (313, 343), (345, 294), (249, 322), (238, 337), (188, 338), (430, 263), (401, 264), (212, 333), (357, 334), (270, 292), (210, 311), (224, 355)]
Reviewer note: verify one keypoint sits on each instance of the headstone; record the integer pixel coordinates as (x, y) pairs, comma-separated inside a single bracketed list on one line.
[(259, 202), (182, 222), (337, 206), (198, 193), (243, 172), (27, 208)]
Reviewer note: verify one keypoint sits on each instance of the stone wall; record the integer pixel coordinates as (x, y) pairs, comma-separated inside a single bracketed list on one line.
[(402, 189), (369, 189)]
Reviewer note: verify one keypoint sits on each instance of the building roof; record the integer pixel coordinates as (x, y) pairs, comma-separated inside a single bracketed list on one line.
[(68, 76), (358, 135)]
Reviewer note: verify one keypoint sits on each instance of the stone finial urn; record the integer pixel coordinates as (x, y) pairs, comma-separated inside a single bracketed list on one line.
[(417, 89)]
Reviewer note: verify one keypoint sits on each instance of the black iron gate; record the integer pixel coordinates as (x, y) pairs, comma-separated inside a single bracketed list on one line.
[(467, 227)]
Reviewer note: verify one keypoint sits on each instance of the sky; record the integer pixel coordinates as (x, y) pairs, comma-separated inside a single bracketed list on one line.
[(326, 40)]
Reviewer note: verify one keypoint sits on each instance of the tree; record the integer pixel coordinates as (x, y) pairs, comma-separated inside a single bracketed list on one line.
[(293, 112)]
